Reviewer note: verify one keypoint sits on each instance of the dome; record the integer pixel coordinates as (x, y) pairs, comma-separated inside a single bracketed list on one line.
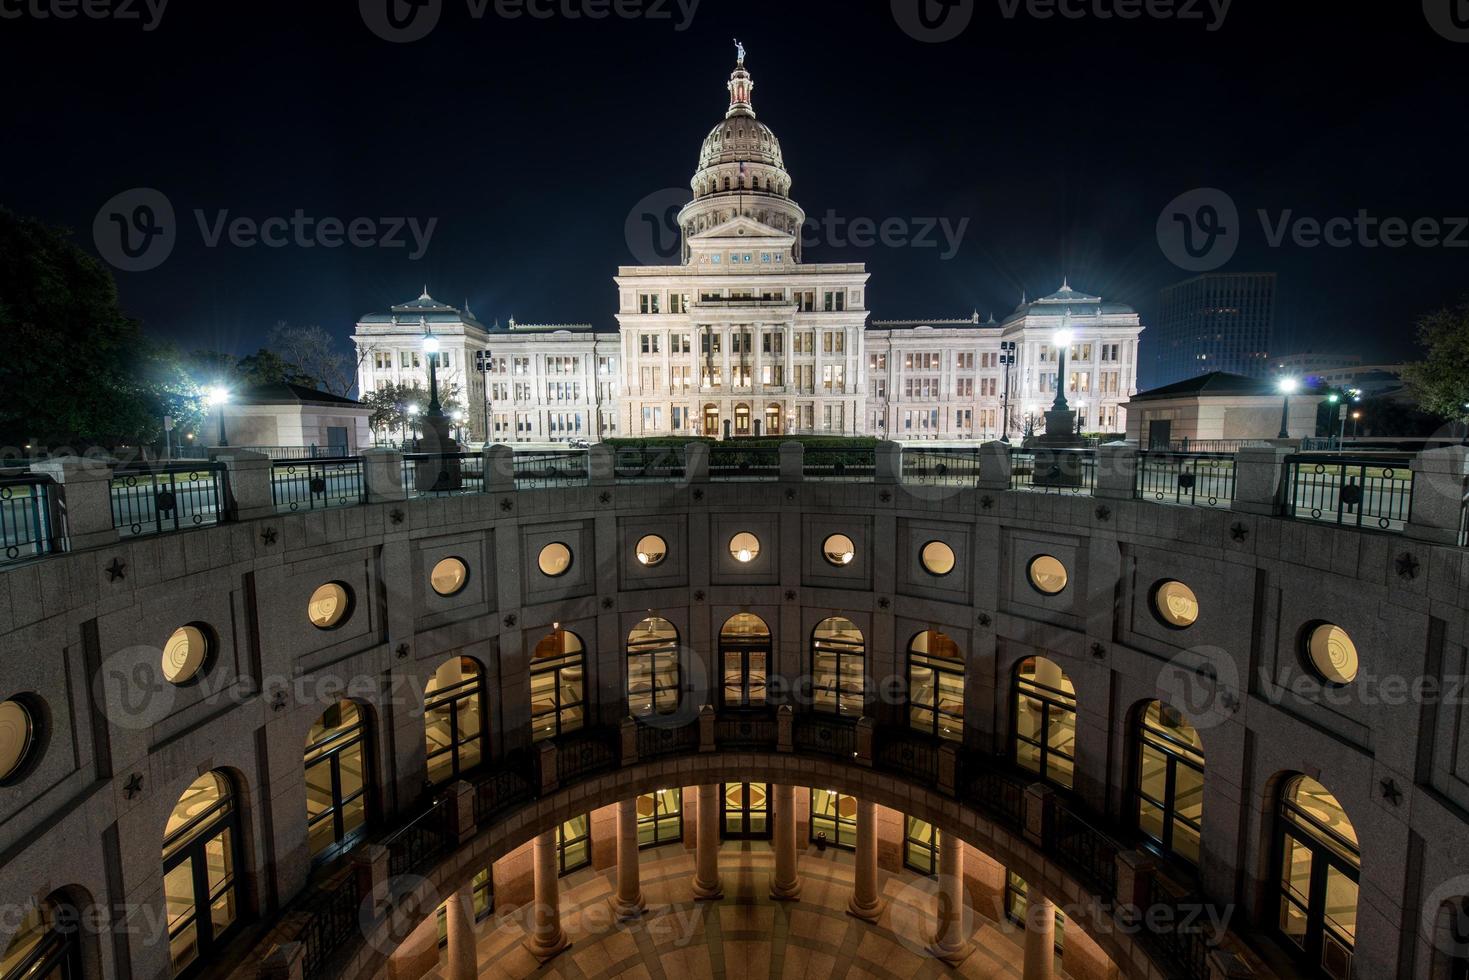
[(741, 139)]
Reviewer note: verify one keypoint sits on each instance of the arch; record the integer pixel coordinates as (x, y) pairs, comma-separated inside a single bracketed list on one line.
[(1168, 780), (936, 685), (454, 719), (773, 418), (711, 419), (557, 684), (744, 658), (201, 860), (654, 676), (742, 419), (339, 780), (838, 667), (1043, 728), (1317, 865), (46, 943)]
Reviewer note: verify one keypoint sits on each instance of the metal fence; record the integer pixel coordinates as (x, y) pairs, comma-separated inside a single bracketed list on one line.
[(910, 754), (746, 732), (434, 475), (1366, 493), (856, 465), (946, 467), (654, 463), (733, 463), (534, 471), (331, 916), (151, 500), (424, 837), (1054, 470), (318, 483), (25, 515), (825, 735), (584, 754), (1198, 479), (655, 741)]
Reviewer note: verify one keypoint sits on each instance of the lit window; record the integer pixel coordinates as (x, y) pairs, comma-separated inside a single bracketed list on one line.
[(745, 547), (838, 653), (660, 817), (936, 686), (452, 713), (449, 576), (651, 550), (555, 560), (1045, 721), (1319, 864), (834, 818), (652, 668), (17, 738), (1175, 604), (1048, 575), (557, 687), (185, 654), (336, 779), (839, 550), (574, 844), (200, 860), (938, 558), (920, 846), (1331, 653), (1170, 781), (330, 605)]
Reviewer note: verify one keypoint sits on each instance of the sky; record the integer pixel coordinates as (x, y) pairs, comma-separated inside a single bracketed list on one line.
[(1006, 147)]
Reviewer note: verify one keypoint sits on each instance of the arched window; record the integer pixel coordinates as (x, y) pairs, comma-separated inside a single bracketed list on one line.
[(453, 719), (557, 685), (1170, 781), (653, 678), (838, 662), (336, 779), (201, 847), (744, 652), (1318, 864), (1045, 721), (39, 950), (936, 686)]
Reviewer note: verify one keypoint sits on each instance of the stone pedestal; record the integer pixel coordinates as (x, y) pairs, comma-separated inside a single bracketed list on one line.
[(82, 504)]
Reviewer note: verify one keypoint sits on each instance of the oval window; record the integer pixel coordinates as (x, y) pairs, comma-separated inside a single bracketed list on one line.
[(744, 547), (1331, 653), (185, 654), (449, 576), (839, 550), (937, 558), (17, 736), (1047, 575), (555, 560), (651, 550), (330, 605), (1175, 604)]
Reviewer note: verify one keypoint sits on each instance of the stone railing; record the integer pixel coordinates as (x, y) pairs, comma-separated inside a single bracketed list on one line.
[(72, 504)]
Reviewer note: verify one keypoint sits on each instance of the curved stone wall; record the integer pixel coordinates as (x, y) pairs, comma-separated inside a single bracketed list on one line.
[(81, 633)]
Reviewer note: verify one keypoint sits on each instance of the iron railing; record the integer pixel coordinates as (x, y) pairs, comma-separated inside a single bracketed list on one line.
[(730, 462), (423, 838), (856, 465), (25, 515), (583, 754), (1376, 494), (909, 754), (436, 475), (825, 735), (946, 467), (502, 790), (535, 471), (746, 731), (996, 791), (317, 483), (655, 741), (1054, 470), (154, 499), (1183, 937), (1091, 854), (330, 917), (656, 463), (1198, 479)]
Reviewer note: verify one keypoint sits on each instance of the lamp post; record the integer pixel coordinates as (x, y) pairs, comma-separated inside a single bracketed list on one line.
[(1062, 339), (1007, 360), (431, 347), (413, 411), (219, 396), (1287, 386)]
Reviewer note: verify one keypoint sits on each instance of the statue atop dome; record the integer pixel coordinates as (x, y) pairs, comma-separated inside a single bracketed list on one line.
[(740, 50)]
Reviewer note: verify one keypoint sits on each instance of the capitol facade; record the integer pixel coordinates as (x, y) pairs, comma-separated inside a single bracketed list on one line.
[(743, 337)]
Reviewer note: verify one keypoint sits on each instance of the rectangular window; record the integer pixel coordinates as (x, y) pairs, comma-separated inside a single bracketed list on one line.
[(834, 816), (920, 846), (574, 844), (660, 817), (1017, 903), (835, 302)]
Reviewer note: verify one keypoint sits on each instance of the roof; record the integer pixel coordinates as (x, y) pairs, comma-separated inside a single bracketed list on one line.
[(1213, 384), (424, 309), (1069, 302), (285, 393), (972, 320)]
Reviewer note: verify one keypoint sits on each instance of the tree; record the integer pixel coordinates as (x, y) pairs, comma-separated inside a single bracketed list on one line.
[(313, 353), (267, 367), (1441, 381), (77, 371), (390, 404)]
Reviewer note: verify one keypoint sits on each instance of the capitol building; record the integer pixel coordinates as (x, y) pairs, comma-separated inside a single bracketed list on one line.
[(743, 337)]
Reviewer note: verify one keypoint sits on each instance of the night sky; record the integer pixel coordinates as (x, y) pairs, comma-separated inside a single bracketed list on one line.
[(531, 140)]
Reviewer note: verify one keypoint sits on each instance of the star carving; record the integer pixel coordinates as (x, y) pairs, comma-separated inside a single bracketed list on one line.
[(116, 570), (698, 494), (884, 602), (278, 702), (269, 535), (1104, 513), (510, 620), (790, 595), (886, 496), (699, 595), (1407, 566), (1238, 531), (605, 497), (133, 788), (986, 501), (1230, 701), (608, 603), (984, 619), (396, 515), (507, 505), (1099, 651), (1391, 793), (402, 651)]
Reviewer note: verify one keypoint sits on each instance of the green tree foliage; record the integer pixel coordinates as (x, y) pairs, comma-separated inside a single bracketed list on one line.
[(1441, 381), (391, 402), (77, 371)]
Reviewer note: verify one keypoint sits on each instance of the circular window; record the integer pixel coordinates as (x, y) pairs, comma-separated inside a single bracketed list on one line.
[(651, 550), (555, 560), (1047, 575), (937, 558), (1331, 652), (17, 738), (745, 547), (330, 606), (185, 653), (839, 550), (449, 576), (1175, 604)]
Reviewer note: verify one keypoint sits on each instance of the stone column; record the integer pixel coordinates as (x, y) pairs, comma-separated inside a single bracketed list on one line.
[(463, 958), (628, 903), (706, 846), (546, 938), (1040, 938), (949, 942), (785, 884), (865, 903)]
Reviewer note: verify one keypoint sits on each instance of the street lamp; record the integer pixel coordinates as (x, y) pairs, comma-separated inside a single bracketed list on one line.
[(1063, 339), (413, 412), (1287, 386), (218, 397), (1007, 360), (431, 347)]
